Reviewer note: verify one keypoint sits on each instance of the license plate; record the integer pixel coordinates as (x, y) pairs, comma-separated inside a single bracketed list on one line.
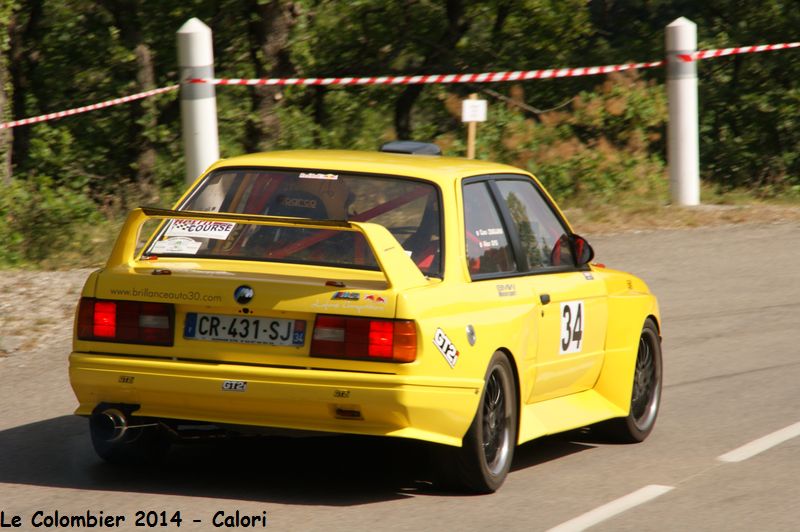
[(250, 330)]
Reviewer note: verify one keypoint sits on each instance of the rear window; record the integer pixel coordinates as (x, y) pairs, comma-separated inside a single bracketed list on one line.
[(409, 209)]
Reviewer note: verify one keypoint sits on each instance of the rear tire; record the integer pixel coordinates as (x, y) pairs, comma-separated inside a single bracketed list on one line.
[(645, 394), (142, 446), (484, 459)]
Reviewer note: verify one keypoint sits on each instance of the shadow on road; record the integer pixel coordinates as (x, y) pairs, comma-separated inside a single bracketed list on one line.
[(549, 448), (327, 471)]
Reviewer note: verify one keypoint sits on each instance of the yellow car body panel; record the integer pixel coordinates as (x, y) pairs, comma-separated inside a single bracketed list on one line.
[(428, 399)]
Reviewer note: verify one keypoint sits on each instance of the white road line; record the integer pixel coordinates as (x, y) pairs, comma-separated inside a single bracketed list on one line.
[(762, 444), (609, 510)]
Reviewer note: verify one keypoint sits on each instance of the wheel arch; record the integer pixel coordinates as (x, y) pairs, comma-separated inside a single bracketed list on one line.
[(657, 323), (631, 312), (517, 393)]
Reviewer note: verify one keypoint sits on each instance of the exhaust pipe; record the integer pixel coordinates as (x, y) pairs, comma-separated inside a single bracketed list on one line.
[(112, 424)]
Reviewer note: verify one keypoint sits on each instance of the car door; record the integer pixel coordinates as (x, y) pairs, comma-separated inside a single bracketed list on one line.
[(567, 340)]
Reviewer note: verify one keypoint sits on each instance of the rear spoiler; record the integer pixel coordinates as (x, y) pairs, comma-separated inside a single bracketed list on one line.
[(398, 268)]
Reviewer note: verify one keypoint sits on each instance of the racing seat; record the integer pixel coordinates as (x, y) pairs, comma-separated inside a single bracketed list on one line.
[(295, 204), (424, 244)]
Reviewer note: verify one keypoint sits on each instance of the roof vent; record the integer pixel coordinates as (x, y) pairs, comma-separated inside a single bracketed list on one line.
[(411, 146)]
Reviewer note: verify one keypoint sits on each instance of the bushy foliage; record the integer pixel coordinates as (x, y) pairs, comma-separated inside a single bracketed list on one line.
[(604, 145), (39, 220)]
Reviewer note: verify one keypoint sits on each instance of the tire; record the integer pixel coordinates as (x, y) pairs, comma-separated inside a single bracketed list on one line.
[(645, 394), (140, 446), (481, 464)]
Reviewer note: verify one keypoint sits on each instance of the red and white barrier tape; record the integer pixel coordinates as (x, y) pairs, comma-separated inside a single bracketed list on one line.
[(489, 77), (86, 108), (485, 77), (710, 54)]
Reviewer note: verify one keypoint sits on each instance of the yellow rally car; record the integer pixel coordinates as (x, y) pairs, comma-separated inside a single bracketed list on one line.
[(393, 294)]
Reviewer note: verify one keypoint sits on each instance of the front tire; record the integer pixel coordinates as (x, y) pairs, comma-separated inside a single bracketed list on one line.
[(646, 392), (484, 459)]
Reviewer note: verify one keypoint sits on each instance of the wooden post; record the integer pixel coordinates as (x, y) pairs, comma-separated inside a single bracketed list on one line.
[(471, 130)]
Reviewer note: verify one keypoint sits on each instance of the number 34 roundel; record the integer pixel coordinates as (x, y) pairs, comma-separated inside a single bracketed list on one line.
[(571, 327)]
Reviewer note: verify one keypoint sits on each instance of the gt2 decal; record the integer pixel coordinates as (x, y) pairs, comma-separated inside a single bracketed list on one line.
[(234, 386), (446, 347), (572, 321)]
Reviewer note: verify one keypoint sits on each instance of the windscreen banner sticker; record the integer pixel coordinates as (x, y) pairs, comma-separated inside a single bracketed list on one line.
[(446, 347), (201, 229), (314, 175), (179, 246), (572, 324)]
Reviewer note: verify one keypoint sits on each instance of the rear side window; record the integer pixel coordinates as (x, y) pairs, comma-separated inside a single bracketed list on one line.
[(488, 249), (409, 209)]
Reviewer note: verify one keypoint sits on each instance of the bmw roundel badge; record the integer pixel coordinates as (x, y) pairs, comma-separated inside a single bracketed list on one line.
[(243, 294)]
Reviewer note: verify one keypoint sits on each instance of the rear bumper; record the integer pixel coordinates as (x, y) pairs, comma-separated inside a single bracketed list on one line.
[(424, 408)]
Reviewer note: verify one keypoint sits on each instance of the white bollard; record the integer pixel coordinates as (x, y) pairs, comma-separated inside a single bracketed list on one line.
[(198, 101), (683, 152)]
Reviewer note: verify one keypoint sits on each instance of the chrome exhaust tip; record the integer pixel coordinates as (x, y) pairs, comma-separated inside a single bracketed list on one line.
[(109, 425)]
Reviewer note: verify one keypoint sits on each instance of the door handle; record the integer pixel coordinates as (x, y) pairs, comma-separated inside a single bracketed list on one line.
[(544, 298)]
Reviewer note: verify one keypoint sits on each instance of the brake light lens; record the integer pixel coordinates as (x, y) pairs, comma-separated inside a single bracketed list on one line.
[(364, 338), (104, 324), (132, 322)]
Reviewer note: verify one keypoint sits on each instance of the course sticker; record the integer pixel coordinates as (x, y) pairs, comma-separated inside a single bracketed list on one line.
[(446, 347), (200, 229), (314, 175), (180, 245)]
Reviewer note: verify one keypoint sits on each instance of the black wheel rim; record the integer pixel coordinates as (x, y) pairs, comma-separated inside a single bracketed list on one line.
[(496, 422), (645, 396)]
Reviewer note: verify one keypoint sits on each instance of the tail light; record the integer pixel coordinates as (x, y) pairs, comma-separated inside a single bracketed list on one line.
[(364, 338), (130, 322)]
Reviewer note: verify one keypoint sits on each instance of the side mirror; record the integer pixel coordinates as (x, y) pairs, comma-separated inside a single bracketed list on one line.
[(583, 252)]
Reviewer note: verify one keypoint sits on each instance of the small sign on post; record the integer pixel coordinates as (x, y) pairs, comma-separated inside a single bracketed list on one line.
[(473, 111)]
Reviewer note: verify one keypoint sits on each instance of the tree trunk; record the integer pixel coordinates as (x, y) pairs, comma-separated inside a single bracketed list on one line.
[(144, 117), (146, 160), (6, 135), (436, 58), (268, 32), (24, 37)]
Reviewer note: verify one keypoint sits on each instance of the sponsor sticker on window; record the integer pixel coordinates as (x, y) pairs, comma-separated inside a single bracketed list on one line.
[(201, 229)]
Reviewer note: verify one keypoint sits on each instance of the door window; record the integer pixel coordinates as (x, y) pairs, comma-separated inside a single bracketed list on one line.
[(543, 238)]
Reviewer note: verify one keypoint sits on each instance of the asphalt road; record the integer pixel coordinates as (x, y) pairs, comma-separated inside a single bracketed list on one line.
[(730, 298)]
